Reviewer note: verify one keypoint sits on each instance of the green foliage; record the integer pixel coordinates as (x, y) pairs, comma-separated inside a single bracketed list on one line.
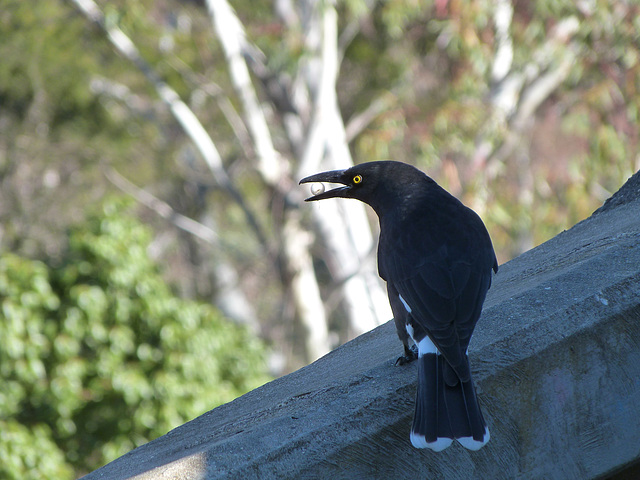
[(29, 453), (86, 344), (48, 46), (97, 356), (578, 147)]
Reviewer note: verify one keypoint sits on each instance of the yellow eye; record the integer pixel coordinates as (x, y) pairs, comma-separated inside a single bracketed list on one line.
[(357, 179)]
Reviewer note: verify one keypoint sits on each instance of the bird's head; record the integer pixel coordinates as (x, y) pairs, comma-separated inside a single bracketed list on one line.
[(372, 182), (356, 182)]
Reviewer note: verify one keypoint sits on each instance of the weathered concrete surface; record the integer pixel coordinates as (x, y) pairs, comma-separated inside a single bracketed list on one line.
[(556, 357)]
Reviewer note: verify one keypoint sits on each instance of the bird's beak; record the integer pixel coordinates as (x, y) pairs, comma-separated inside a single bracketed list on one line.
[(334, 176)]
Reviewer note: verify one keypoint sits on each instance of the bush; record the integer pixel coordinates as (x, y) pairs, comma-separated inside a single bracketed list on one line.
[(97, 356)]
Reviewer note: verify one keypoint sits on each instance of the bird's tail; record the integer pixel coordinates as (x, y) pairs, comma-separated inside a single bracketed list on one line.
[(445, 412)]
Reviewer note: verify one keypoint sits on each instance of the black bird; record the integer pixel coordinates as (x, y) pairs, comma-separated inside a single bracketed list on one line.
[(436, 257)]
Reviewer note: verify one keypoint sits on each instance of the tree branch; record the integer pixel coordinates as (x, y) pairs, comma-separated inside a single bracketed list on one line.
[(230, 298), (181, 112), (502, 15), (163, 209), (362, 120), (232, 37)]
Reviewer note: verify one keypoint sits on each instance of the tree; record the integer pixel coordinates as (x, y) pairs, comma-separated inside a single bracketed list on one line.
[(524, 110), (324, 145), (98, 356)]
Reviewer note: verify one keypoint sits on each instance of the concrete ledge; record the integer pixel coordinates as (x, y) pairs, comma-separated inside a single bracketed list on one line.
[(556, 358)]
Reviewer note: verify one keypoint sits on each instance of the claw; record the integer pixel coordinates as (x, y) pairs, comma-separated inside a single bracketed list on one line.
[(410, 354)]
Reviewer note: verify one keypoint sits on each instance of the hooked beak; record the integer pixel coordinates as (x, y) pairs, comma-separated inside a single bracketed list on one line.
[(334, 176)]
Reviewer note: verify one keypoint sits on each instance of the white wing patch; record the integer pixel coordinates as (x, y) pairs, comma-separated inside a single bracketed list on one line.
[(409, 329), (406, 305), (426, 346)]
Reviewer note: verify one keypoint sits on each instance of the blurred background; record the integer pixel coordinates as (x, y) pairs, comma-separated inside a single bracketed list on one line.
[(156, 255)]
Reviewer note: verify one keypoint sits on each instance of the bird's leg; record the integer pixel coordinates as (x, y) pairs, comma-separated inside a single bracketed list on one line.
[(410, 354)]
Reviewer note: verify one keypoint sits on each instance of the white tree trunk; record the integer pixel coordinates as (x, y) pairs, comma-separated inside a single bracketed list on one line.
[(517, 94), (343, 225), (296, 242), (232, 37), (306, 294), (317, 133)]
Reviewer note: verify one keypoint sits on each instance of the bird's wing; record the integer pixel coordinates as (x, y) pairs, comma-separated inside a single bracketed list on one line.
[(448, 320), (443, 278)]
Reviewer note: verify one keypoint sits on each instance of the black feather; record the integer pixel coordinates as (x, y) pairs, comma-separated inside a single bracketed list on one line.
[(436, 257)]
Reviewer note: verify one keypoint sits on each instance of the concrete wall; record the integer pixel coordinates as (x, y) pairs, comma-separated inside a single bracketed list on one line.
[(556, 358)]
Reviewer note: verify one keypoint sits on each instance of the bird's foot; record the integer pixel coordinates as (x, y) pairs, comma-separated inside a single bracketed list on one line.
[(410, 354)]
